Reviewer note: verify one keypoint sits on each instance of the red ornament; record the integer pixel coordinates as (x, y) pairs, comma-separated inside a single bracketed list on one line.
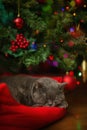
[(51, 57), (71, 73), (78, 82), (71, 43), (18, 22), (61, 40), (79, 2), (76, 34), (71, 82), (55, 13), (67, 8), (58, 78)]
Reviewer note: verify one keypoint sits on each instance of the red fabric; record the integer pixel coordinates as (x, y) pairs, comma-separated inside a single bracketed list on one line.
[(15, 116)]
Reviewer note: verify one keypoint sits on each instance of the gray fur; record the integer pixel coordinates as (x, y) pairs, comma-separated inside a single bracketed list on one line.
[(34, 91)]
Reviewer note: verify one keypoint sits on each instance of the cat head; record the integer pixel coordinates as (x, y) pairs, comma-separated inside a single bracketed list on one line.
[(48, 91)]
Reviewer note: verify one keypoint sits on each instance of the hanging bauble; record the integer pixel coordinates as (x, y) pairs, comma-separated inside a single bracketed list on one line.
[(18, 22), (84, 70), (77, 32), (33, 46), (71, 82), (72, 29), (71, 73), (71, 43), (79, 2), (51, 57), (56, 13), (41, 1), (67, 8), (55, 63), (72, 3)]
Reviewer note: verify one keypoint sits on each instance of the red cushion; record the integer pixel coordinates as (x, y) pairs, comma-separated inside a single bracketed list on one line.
[(15, 116)]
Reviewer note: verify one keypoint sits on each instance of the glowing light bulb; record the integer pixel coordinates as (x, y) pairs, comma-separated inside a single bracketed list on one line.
[(79, 74), (44, 45), (84, 5), (74, 14)]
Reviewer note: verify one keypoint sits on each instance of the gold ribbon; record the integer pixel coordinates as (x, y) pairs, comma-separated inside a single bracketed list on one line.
[(84, 70)]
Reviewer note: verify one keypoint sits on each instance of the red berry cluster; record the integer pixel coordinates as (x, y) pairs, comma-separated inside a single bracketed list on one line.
[(19, 42)]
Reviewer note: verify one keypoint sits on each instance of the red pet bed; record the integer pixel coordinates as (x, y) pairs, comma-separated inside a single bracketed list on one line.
[(15, 116)]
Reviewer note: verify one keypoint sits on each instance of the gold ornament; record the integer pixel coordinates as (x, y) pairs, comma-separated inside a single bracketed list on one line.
[(37, 32), (84, 70), (18, 8), (72, 3), (78, 27)]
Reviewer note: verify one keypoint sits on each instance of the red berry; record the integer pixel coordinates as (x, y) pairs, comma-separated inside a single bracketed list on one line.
[(12, 42)]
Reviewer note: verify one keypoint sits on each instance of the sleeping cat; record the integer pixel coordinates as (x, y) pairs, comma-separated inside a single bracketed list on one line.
[(34, 91)]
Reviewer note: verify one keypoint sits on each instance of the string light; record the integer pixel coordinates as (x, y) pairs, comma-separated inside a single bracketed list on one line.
[(78, 82), (74, 14), (79, 74), (85, 6), (44, 45), (67, 7), (72, 29)]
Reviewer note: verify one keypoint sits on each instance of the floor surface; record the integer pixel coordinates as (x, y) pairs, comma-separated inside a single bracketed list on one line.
[(76, 117)]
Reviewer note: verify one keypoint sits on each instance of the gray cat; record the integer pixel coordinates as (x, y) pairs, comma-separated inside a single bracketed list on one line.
[(34, 91)]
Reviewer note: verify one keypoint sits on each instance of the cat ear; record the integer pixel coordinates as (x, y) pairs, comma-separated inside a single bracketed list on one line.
[(63, 84), (37, 89), (36, 86)]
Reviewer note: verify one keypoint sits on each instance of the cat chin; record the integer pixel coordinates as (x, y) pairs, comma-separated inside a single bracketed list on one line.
[(37, 105)]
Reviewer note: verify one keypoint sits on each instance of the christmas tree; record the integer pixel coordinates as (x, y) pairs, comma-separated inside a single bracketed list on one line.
[(38, 31)]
